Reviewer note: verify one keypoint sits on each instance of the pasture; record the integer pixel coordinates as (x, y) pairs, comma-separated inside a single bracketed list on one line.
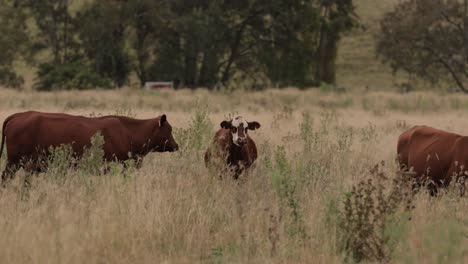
[(313, 148)]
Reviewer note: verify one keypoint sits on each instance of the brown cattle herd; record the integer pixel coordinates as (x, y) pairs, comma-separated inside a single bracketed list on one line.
[(429, 157)]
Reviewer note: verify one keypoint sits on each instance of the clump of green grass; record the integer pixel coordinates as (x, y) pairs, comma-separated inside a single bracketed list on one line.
[(91, 162), (286, 225), (199, 132), (61, 159)]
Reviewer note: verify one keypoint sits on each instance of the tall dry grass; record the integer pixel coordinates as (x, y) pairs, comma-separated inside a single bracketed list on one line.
[(313, 147)]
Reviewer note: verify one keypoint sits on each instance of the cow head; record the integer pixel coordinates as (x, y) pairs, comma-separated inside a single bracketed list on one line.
[(239, 127), (162, 137)]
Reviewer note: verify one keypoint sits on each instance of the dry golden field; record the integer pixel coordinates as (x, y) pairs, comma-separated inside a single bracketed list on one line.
[(313, 147)]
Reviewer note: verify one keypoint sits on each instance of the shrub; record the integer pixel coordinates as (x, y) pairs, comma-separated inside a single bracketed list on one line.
[(198, 134), (74, 75), (286, 188), (92, 160), (60, 160), (370, 216)]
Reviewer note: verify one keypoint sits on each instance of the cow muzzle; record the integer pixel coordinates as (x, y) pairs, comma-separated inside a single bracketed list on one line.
[(241, 141), (169, 146), (172, 147), (176, 147)]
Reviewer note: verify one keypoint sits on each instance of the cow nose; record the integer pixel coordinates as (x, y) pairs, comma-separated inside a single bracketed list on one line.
[(241, 141)]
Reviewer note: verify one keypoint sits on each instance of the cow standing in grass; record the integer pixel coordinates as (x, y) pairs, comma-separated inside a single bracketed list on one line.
[(232, 149), (29, 135), (433, 157)]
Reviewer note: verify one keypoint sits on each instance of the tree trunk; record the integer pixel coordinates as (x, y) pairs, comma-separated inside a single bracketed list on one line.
[(142, 57), (190, 67), (65, 31), (321, 46), (207, 75), (458, 81), (234, 52)]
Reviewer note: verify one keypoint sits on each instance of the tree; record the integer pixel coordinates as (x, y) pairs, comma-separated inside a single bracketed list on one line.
[(146, 20), (212, 41), (55, 47), (191, 42), (54, 22), (427, 38), (336, 17), (101, 29), (13, 42)]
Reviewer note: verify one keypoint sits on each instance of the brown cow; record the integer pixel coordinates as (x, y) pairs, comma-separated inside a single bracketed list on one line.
[(232, 146), (435, 155), (29, 135)]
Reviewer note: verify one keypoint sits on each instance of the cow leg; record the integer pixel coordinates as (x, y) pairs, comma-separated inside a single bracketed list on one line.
[(139, 162), (9, 172), (461, 185), (237, 171), (105, 169), (33, 167), (432, 189), (28, 177)]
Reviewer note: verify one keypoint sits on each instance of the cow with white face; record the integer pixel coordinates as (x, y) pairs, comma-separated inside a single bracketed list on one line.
[(232, 149)]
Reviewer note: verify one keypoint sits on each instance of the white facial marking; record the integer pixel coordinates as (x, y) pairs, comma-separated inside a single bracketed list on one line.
[(236, 122)]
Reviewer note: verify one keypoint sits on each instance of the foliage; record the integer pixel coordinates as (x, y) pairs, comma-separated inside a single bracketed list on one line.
[(371, 216), (286, 188), (60, 160), (147, 20), (199, 132), (54, 28), (13, 42), (427, 38), (69, 76), (101, 29), (92, 161), (194, 43)]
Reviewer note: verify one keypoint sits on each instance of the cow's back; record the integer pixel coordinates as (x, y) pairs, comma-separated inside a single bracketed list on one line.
[(33, 132)]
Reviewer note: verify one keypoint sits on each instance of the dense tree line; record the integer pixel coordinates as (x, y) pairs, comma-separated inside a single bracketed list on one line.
[(191, 42), (427, 39)]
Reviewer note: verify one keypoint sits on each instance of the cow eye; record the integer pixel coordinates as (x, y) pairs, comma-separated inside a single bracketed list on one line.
[(234, 129)]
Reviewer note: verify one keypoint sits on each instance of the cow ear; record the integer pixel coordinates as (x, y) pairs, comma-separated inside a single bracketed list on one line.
[(162, 120), (226, 124), (254, 125)]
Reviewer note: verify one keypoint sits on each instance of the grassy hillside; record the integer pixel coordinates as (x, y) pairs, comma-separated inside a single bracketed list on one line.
[(286, 210), (313, 146), (358, 66)]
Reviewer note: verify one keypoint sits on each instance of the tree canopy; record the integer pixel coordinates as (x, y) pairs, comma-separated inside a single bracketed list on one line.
[(427, 38), (191, 42), (13, 41)]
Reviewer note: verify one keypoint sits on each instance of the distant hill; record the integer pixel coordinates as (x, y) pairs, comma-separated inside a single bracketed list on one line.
[(358, 66)]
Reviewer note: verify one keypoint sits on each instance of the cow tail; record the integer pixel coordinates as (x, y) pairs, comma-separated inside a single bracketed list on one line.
[(3, 133)]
